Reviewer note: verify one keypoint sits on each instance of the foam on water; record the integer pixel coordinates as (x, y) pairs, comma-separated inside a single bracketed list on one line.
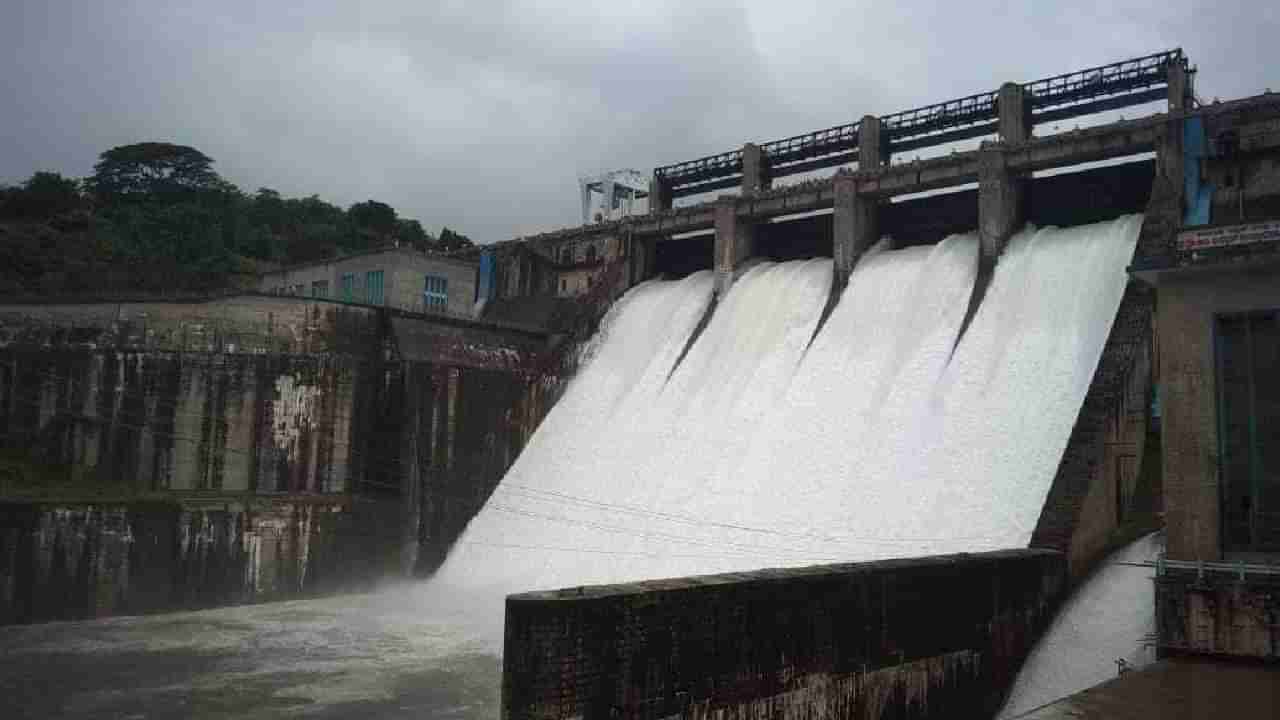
[(1109, 618), (881, 439)]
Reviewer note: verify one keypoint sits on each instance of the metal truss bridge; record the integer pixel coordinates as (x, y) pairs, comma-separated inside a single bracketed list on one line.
[(1083, 92)]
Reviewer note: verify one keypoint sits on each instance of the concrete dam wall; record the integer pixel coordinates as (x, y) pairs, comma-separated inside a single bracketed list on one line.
[(722, 437), (157, 455)]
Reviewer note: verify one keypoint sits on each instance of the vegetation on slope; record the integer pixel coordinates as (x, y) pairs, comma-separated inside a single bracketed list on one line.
[(156, 217)]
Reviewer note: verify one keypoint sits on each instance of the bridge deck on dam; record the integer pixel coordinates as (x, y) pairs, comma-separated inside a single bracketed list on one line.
[(1126, 138)]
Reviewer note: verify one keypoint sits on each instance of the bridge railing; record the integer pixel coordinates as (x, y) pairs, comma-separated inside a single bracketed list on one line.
[(1074, 94)]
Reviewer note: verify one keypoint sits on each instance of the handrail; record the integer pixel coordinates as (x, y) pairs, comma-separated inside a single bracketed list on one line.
[(1074, 94)]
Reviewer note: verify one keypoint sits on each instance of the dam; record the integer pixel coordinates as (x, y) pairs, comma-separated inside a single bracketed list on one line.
[(838, 448)]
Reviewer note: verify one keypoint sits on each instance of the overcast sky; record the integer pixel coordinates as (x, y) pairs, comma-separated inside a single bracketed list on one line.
[(480, 114)]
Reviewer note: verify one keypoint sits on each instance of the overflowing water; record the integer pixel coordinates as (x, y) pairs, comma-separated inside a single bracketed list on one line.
[(1110, 618), (882, 437)]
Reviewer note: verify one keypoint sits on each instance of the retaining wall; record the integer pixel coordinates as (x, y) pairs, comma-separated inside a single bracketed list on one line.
[(922, 638)]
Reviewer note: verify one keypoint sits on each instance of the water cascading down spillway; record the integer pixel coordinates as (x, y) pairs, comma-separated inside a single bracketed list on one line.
[(880, 437)]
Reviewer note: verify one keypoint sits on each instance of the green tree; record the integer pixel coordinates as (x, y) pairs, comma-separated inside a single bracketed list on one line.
[(153, 171), (410, 233), (44, 195), (380, 218), (450, 241)]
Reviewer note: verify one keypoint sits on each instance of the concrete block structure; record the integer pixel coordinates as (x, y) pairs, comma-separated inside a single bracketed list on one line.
[(394, 277), (167, 455), (1214, 265)]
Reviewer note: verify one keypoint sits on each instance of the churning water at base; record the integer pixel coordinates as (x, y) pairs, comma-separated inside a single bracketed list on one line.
[(882, 438)]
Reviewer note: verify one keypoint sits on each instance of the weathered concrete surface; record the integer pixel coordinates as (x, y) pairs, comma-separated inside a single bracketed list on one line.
[(1091, 500), (735, 243), (855, 226), (1179, 689), (755, 169), (1188, 303), (1001, 193), (66, 560), (1219, 611), (111, 416), (850, 641)]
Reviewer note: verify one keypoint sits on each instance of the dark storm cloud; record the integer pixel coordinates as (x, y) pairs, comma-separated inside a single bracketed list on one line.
[(480, 115)]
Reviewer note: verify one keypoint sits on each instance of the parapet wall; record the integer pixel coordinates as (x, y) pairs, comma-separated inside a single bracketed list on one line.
[(911, 639)]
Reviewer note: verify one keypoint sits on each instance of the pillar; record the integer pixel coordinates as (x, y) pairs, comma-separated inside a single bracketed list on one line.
[(1014, 113), (735, 241), (659, 195), (641, 259), (585, 185), (610, 190), (855, 225), (1180, 89), (1001, 193), (873, 147), (755, 169), (1000, 201)]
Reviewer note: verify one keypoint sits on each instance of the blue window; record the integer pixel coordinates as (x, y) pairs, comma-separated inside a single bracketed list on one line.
[(373, 288), (348, 287), (435, 296)]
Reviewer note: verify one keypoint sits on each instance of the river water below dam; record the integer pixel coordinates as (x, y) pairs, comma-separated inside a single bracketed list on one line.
[(765, 442)]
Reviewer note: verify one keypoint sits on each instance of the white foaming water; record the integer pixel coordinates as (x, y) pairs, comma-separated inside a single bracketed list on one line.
[(1109, 618), (760, 450)]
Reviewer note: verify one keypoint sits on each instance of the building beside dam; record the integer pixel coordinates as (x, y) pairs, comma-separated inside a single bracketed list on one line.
[(346, 421)]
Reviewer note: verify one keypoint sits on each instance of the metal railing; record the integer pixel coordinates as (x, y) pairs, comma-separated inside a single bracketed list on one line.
[(1074, 94), (1239, 570)]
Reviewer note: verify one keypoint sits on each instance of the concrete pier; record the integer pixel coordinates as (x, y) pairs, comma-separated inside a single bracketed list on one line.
[(856, 218), (755, 169), (735, 241), (855, 225), (659, 195), (1001, 195), (1001, 190)]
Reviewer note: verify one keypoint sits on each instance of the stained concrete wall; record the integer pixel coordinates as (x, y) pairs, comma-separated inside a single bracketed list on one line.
[(317, 409), (924, 638), (242, 323), (64, 561), (1189, 300), (1090, 507), (1220, 612)]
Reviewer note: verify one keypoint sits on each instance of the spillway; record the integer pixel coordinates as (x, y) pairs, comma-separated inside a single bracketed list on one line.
[(1111, 617), (767, 446)]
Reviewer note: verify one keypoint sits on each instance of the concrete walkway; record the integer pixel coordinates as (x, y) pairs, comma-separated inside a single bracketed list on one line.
[(1179, 689)]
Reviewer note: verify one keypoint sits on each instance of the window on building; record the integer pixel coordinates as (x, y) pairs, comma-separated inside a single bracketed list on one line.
[(348, 287), (320, 289), (435, 295), (1248, 354), (565, 256), (564, 285), (591, 253), (373, 292)]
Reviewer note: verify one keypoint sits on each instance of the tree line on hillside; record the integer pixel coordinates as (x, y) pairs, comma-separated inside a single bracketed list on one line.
[(157, 217)]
